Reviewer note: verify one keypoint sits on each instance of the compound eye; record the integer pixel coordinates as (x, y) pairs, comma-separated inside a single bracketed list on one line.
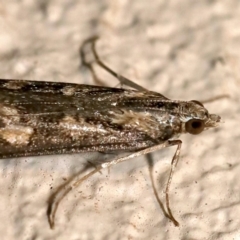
[(194, 126)]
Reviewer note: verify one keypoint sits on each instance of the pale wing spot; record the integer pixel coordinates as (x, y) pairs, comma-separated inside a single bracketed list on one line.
[(68, 119), (133, 94), (78, 128), (69, 123), (16, 135), (68, 90), (141, 121), (8, 111), (14, 85), (8, 114)]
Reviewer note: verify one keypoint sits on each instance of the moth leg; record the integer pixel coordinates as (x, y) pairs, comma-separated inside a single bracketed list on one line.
[(173, 166), (58, 197), (215, 98), (123, 80), (53, 205), (155, 191), (94, 165), (174, 162), (88, 64)]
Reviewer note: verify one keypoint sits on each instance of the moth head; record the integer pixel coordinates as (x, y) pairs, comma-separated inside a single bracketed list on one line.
[(200, 119)]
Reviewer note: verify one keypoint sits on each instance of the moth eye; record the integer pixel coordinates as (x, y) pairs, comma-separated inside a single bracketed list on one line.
[(194, 126)]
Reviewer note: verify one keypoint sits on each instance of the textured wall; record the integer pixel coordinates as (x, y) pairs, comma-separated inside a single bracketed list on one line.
[(184, 49)]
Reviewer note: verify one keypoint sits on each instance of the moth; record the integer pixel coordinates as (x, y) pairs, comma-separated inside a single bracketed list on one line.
[(44, 118)]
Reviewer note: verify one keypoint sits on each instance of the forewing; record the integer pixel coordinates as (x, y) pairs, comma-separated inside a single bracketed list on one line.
[(41, 118)]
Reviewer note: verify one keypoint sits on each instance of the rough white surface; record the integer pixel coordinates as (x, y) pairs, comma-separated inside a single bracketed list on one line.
[(185, 50)]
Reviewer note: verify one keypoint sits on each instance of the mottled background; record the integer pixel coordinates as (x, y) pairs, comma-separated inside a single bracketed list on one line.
[(184, 49)]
